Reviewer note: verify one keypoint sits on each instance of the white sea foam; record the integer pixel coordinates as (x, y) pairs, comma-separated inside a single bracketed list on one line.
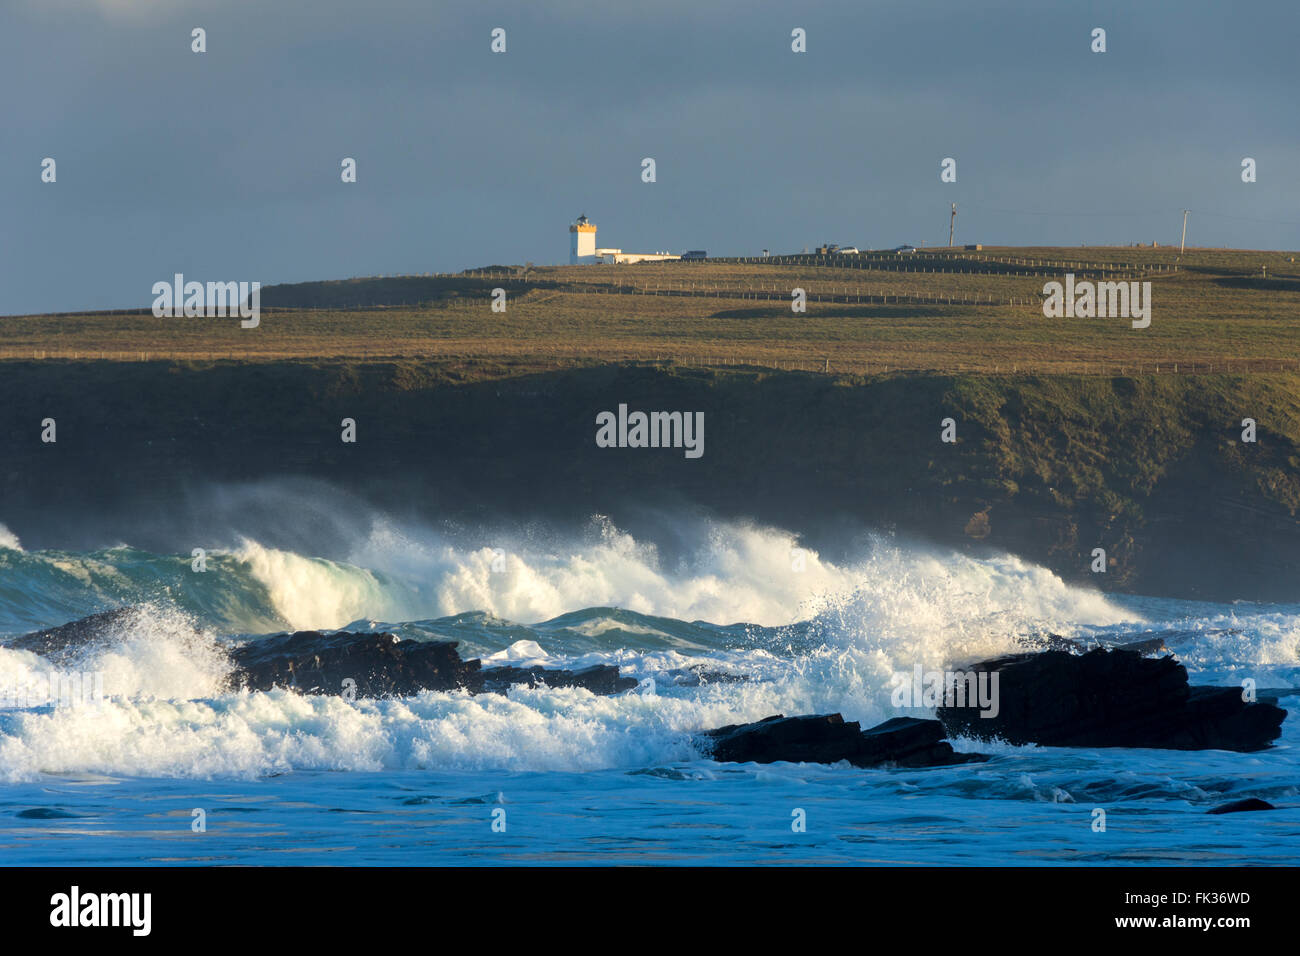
[(891, 608), (154, 652), (9, 540), (735, 573)]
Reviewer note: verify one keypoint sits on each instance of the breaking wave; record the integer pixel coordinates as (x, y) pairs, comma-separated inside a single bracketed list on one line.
[(773, 630)]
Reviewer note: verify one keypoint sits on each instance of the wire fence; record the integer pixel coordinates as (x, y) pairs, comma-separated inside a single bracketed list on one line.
[(836, 364), (928, 263)]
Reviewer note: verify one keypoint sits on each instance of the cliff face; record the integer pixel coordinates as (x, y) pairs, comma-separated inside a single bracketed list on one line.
[(1152, 469)]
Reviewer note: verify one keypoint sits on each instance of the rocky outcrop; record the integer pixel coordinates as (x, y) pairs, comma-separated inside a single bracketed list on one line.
[(342, 662), (599, 679), (1113, 698), (382, 665), (55, 643), (1055, 642), (829, 738), (378, 665)]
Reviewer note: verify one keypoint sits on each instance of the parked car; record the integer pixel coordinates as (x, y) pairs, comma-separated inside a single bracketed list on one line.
[(904, 250)]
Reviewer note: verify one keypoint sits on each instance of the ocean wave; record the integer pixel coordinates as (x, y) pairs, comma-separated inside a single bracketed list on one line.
[(730, 630), (728, 572), (8, 540)]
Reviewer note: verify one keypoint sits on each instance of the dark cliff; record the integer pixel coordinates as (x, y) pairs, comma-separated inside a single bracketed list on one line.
[(1151, 469)]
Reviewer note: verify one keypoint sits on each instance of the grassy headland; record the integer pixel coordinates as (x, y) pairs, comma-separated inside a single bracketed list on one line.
[(1213, 310), (1072, 433)]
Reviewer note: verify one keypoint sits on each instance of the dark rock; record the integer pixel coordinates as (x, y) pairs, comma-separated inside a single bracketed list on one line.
[(1113, 698), (380, 664), (599, 678), (1221, 720), (818, 738), (57, 642), (383, 665), (828, 738), (1152, 645), (911, 742), (1056, 642), (1237, 806), (1052, 642)]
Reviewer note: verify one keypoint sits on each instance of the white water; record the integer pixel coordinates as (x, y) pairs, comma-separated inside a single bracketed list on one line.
[(735, 573), (9, 540), (891, 608)]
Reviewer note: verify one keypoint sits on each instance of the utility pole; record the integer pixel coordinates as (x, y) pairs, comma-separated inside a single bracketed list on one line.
[(1184, 240), (952, 224)]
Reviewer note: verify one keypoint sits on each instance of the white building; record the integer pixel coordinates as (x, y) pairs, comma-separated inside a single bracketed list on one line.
[(582, 248), (582, 241)]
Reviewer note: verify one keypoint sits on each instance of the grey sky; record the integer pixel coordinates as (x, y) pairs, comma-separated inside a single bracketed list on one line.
[(225, 165)]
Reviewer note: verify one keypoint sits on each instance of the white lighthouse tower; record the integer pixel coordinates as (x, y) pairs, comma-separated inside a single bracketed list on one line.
[(582, 241)]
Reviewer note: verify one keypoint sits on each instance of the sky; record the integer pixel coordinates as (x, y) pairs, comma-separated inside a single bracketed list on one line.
[(225, 165)]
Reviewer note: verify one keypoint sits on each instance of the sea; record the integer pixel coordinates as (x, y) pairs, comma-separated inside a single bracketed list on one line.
[(735, 622)]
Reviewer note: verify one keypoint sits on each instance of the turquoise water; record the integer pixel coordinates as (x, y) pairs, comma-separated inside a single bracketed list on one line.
[(546, 776)]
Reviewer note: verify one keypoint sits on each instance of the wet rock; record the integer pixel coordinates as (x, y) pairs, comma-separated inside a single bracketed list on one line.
[(1153, 645), (1113, 698), (828, 738), (380, 665), (599, 679), (55, 643), (344, 662), (819, 738), (1055, 642), (911, 742)]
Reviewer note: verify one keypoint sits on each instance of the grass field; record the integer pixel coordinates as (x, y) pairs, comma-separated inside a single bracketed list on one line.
[(1213, 311)]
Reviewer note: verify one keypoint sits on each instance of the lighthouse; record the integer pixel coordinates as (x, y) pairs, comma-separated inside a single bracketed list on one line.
[(582, 241)]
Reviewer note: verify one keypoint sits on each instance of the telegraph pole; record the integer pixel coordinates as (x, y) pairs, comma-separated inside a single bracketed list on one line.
[(1183, 243), (952, 224)]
